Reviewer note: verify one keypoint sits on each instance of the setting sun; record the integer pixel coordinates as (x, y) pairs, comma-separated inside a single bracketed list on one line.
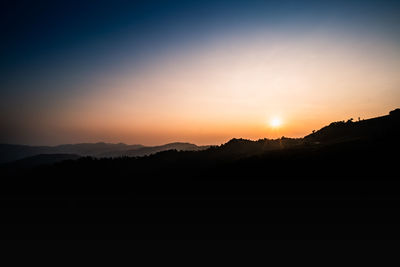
[(275, 122)]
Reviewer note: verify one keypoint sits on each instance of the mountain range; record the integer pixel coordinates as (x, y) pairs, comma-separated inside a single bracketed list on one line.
[(334, 133), (341, 179), (11, 152)]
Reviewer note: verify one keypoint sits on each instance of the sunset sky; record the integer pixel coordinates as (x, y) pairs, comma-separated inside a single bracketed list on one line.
[(153, 72)]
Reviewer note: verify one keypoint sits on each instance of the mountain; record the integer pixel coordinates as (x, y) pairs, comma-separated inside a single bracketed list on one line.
[(143, 151), (336, 132), (341, 131), (9, 152), (371, 142), (340, 181)]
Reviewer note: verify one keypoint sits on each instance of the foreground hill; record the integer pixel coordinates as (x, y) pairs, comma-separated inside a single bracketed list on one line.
[(375, 128)]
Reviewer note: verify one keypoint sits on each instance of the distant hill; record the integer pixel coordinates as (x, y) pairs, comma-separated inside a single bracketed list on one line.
[(143, 151), (9, 152)]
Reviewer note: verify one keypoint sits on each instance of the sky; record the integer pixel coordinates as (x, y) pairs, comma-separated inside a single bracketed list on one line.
[(153, 72)]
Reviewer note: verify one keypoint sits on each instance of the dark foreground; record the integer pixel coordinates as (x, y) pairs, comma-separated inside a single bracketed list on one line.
[(340, 183)]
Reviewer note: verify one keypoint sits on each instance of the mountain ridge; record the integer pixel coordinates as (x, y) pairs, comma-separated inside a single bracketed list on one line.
[(335, 132), (12, 152)]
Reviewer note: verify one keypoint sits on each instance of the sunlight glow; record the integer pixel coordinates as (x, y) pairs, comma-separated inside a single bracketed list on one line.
[(263, 86), (275, 122)]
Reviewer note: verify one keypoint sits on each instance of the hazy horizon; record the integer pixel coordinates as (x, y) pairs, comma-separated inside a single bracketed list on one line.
[(355, 119), (156, 72)]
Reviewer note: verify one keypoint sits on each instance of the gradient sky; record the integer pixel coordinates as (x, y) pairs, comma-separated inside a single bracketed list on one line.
[(154, 72)]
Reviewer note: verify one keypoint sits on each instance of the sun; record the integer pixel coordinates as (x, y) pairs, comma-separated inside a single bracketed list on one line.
[(275, 122)]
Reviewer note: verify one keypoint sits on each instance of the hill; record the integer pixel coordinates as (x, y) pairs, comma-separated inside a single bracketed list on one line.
[(338, 182), (148, 150), (380, 127), (9, 152)]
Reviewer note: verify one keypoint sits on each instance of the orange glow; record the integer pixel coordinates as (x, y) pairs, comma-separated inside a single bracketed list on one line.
[(228, 89)]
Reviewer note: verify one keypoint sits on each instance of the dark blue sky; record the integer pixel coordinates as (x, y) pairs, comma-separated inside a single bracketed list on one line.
[(48, 49), (36, 32)]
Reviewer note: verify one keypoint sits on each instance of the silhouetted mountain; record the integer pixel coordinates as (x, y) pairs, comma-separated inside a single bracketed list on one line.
[(336, 136), (380, 127), (10, 153), (340, 182), (241, 148), (96, 149), (143, 151), (384, 127)]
